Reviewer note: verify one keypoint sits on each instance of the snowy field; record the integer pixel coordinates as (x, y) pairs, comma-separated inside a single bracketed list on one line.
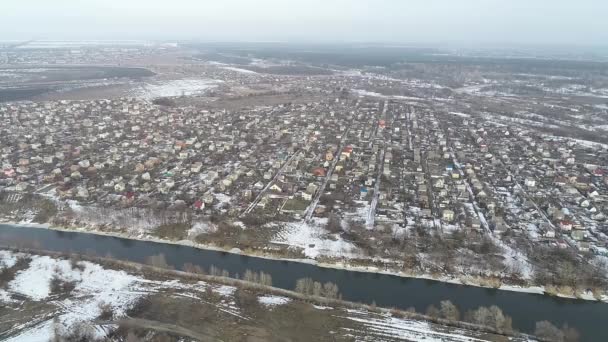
[(172, 88), (314, 240), (97, 287), (241, 70)]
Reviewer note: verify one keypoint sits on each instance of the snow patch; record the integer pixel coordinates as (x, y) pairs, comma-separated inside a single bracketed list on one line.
[(244, 71), (315, 240), (184, 87), (273, 300)]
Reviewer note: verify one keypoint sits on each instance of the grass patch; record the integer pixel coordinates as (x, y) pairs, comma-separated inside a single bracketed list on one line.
[(173, 231), (295, 204), (8, 274)]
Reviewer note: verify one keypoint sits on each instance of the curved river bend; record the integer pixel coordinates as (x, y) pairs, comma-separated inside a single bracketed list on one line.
[(589, 318)]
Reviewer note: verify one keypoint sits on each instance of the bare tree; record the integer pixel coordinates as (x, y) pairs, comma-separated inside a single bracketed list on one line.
[(548, 331), (330, 290), (314, 288), (432, 311), (490, 317), (449, 310), (192, 268), (157, 261), (570, 334), (334, 223)]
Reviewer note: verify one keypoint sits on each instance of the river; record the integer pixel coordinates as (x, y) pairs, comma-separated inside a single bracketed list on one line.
[(589, 318)]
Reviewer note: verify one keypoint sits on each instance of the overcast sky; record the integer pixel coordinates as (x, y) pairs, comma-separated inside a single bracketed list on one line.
[(581, 22)]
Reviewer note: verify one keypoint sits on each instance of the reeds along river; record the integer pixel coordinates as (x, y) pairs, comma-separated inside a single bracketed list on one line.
[(589, 318)]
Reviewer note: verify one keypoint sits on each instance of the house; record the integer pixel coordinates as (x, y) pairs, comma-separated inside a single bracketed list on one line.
[(474, 223), (499, 225), (22, 187), (565, 225), (319, 172), (82, 192), (579, 235), (362, 192), (208, 199), (583, 246), (196, 167), (199, 205), (276, 188), (312, 188), (263, 202), (426, 213), (549, 233), (439, 183), (599, 172), (530, 182), (447, 215), (306, 196)]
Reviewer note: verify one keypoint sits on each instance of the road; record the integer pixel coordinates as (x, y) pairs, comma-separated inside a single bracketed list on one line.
[(315, 201), (259, 197), (482, 218), (371, 214)]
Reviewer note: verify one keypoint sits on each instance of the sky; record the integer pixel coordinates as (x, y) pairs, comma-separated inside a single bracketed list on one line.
[(548, 22)]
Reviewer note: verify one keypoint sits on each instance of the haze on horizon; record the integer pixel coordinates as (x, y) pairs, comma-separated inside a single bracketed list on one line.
[(544, 22)]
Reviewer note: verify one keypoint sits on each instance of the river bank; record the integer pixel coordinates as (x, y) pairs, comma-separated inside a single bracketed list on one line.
[(228, 295), (381, 289), (338, 265)]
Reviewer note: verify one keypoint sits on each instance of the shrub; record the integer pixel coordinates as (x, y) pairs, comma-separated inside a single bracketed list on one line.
[(157, 261), (60, 286), (106, 312), (547, 331), (192, 268), (449, 311)]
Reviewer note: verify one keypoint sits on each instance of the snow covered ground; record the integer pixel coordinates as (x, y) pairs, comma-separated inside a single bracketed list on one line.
[(241, 70), (271, 301), (363, 92), (184, 87), (97, 287), (314, 240), (94, 286), (383, 327)]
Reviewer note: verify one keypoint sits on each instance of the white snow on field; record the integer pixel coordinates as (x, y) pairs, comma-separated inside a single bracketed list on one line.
[(383, 327), (321, 307), (172, 88), (225, 290), (34, 282), (199, 228), (363, 92), (464, 115), (273, 300), (94, 286), (592, 144), (244, 71), (223, 200), (5, 297), (7, 259), (315, 240), (120, 290), (65, 44)]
